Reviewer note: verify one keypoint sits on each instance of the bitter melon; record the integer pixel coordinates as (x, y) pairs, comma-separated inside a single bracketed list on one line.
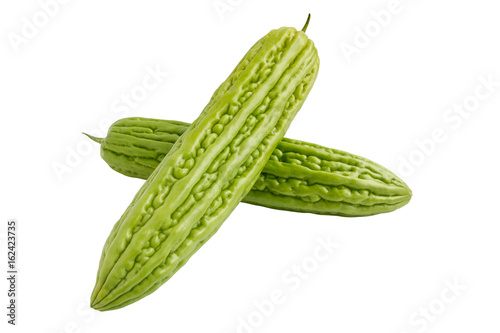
[(209, 169), (299, 176)]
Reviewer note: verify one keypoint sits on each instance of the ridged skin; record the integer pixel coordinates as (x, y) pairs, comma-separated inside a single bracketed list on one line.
[(208, 170), (299, 176)]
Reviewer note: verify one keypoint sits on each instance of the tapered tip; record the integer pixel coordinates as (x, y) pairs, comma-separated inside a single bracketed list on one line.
[(93, 138), (307, 23)]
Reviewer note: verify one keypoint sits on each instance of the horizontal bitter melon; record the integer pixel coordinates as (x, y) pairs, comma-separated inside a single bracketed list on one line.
[(209, 169), (299, 176)]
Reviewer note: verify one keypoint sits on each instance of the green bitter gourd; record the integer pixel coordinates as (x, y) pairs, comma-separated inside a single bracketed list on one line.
[(299, 176), (209, 169)]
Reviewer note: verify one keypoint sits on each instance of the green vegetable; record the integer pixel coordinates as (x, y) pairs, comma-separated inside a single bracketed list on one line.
[(209, 169), (299, 176)]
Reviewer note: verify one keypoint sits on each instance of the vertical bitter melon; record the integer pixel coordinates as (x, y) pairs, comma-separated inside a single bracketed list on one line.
[(209, 169), (299, 176)]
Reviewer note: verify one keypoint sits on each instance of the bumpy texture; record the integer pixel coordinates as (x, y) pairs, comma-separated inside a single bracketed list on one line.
[(306, 177), (299, 176), (208, 170)]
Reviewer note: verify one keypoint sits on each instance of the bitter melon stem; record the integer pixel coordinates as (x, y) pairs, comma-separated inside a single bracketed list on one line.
[(93, 138), (307, 23)]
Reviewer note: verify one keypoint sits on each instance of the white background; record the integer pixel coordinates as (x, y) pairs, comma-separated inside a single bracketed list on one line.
[(69, 74)]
